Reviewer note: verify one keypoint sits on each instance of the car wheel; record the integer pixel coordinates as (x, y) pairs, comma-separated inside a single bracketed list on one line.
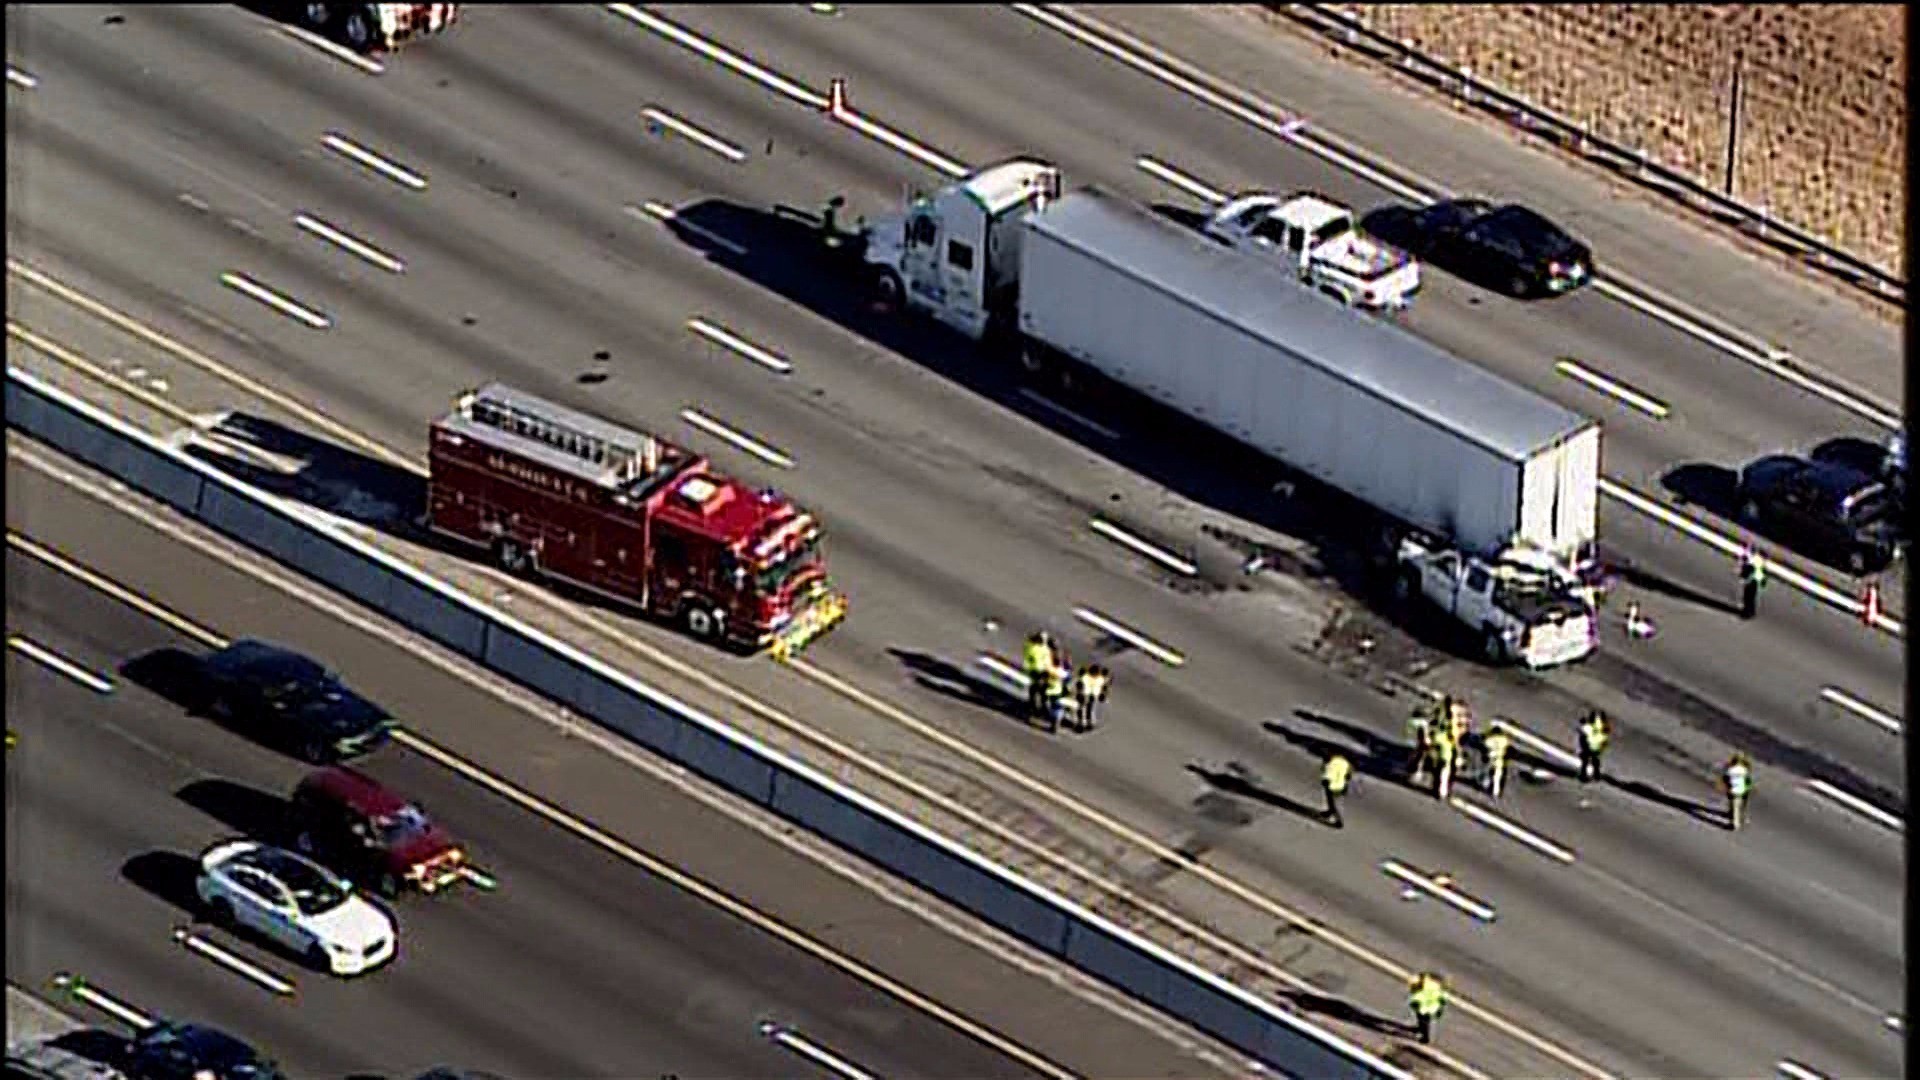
[(358, 32), (303, 843), (317, 957), (389, 886), (315, 16), (512, 557), (1519, 286), (1406, 586), (1857, 562), (1750, 510), (220, 913)]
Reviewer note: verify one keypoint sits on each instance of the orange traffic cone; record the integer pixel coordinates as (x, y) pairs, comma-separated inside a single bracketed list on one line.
[(837, 97), (1870, 604)]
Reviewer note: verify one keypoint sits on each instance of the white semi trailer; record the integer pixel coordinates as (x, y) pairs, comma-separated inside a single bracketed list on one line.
[(1494, 489)]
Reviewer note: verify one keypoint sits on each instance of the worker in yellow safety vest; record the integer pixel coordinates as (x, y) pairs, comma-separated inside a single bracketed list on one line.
[(1333, 777), (1057, 679), (1037, 663), (1427, 994), (1497, 744), (1594, 732), (1738, 781), (1090, 690), (1420, 727), (1459, 720), (1445, 753)]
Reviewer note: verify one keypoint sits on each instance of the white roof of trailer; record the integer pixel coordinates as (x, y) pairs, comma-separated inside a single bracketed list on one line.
[(1367, 352)]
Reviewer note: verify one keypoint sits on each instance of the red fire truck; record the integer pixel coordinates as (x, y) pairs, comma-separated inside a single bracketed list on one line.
[(551, 491)]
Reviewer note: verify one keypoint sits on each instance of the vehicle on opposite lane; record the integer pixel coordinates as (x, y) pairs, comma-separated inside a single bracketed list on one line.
[(297, 904), (1509, 247), (350, 822), (1318, 239), (293, 702), (1833, 511), (178, 1051)]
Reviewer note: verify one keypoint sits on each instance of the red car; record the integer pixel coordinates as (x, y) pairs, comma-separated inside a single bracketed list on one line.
[(348, 821)]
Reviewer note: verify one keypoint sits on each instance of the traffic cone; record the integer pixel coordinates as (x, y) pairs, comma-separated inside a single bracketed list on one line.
[(1870, 605), (1638, 628), (837, 97)]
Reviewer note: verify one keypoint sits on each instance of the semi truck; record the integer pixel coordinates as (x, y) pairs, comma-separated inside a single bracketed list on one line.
[(1490, 489), (553, 492)]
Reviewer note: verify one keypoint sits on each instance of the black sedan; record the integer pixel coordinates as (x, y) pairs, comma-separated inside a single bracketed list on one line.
[(292, 702), (1508, 247), (172, 1051), (1833, 511)]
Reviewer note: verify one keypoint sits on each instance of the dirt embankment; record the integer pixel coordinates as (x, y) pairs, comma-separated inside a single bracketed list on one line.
[(1823, 127)]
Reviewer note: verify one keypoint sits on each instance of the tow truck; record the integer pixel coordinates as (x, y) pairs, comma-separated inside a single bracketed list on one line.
[(553, 492), (1319, 240)]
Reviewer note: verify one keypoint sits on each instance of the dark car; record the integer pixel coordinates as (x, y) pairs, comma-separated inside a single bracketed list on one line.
[(170, 1051), (1508, 246), (293, 702), (350, 822), (1835, 512)]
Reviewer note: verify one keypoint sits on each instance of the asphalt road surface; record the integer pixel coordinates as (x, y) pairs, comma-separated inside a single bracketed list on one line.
[(577, 962), (159, 152)]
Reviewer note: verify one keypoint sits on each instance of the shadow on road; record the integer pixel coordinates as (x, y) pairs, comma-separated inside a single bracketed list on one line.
[(174, 675), (1237, 781), (259, 815), (1713, 488), (1648, 581), (1702, 812), (168, 876), (950, 679)]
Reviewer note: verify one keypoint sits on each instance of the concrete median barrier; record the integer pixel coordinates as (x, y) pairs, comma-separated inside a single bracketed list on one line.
[(307, 541)]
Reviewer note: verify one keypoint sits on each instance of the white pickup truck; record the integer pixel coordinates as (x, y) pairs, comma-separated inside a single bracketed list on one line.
[(1319, 240), (1527, 610)]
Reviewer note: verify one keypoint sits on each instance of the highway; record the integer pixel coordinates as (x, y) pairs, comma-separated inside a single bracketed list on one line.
[(574, 959), (953, 499)]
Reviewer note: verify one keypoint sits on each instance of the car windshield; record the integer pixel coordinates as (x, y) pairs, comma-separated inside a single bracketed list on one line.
[(1331, 231), (1534, 232), (313, 891), (401, 826), (1869, 505)]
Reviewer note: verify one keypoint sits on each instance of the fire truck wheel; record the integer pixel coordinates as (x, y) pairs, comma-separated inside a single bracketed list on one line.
[(703, 622), (513, 558), (315, 16)]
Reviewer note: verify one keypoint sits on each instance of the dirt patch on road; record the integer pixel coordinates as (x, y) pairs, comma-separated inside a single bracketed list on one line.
[(1823, 127)]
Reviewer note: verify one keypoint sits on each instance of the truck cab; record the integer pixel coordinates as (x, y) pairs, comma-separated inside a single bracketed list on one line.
[(954, 255), (1527, 609), (1318, 240)]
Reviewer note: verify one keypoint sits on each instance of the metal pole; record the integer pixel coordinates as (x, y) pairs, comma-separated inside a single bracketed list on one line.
[(1733, 120)]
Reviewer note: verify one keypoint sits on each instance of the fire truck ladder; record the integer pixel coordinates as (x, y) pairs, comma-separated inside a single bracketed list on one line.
[(621, 463)]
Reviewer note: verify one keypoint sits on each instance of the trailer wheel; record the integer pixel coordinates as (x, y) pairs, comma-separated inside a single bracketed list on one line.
[(704, 622), (315, 16), (888, 291), (1406, 585), (1493, 646)]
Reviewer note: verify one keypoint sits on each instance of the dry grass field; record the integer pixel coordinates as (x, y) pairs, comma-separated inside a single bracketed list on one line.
[(1824, 121)]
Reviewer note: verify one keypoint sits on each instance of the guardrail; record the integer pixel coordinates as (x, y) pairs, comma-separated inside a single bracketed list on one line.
[(1756, 222), (306, 540)]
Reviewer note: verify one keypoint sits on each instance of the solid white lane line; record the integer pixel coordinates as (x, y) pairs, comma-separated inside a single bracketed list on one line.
[(745, 442), (1062, 410), (239, 965), (720, 335), (814, 1052), (1158, 554), (1432, 887), (340, 144), (692, 134), (1775, 569), (1609, 387), (1552, 750), (1006, 671), (921, 152), (1162, 171), (244, 284), (721, 55), (1129, 635), (20, 78), (1526, 836), (345, 240), (1860, 708), (1895, 1023), (1857, 804), (1775, 362), (1795, 1071), (61, 664), (339, 52), (80, 990), (666, 213)]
